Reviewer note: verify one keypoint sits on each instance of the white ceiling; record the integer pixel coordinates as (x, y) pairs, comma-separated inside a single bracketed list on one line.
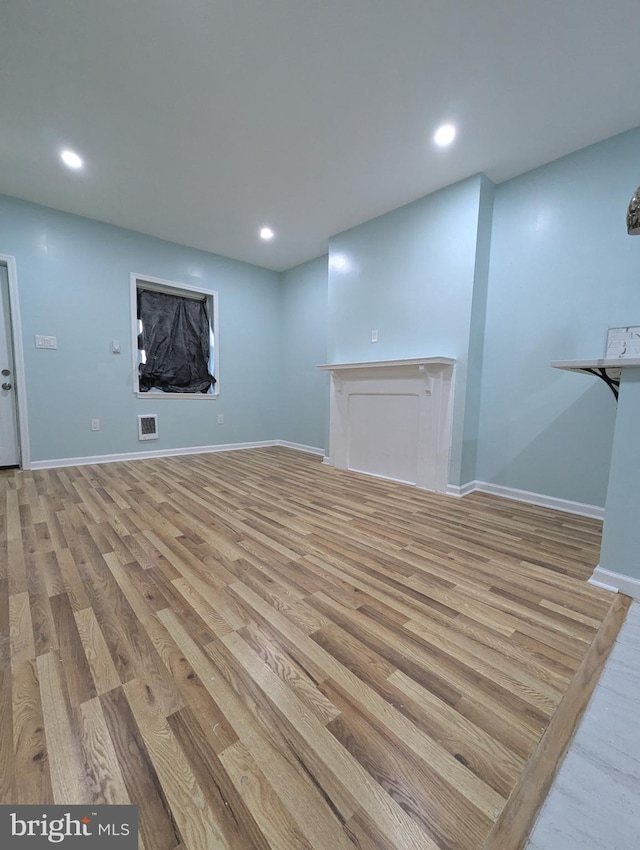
[(202, 120)]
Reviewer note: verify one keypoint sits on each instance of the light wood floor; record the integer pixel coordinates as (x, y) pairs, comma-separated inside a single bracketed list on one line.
[(263, 652)]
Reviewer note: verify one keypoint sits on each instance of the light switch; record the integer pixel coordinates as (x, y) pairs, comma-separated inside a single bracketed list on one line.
[(46, 341), (374, 336), (115, 346)]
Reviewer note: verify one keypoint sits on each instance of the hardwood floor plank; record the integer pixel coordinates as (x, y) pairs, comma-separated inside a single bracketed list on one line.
[(144, 634), (237, 824), (266, 808), (439, 670), (103, 670), (47, 564), (139, 546), (22, 644), (265, 579), (358, 582), (102, 592), (72, 584), (491, 664), (16, 567), (284, 769), (389, 817), (284, 734), (209, 616), (77, 673), (157, 826), (548, 654), (493, 762), (44, 633), (195, 820), (364, 662), (49, 508), (366, 835), (68, 776), (540, 667), (103, 768), (286, 668), (445, 815), (13, 524), (30, 752)]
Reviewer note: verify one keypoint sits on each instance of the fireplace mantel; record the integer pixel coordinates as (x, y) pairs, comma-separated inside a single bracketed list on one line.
[(392, 419), (388, 364)]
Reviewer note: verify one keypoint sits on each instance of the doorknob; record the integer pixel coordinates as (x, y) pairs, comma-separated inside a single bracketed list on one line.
[(6, 386), (6, 372)]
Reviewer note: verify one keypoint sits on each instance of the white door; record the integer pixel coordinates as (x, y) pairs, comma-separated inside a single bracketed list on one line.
[(9, 452)]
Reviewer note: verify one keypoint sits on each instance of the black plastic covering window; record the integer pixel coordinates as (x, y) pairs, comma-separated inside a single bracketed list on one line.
[(175, 339)]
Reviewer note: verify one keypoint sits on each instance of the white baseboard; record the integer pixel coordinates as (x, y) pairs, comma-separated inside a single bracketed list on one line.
[(618, 582), (311, 450), (115, 458), (566, 505), (326, 460), (190, 450), (459, 492)]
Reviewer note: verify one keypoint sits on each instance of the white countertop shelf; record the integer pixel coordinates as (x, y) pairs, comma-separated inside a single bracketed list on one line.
[(602, 363), (607, 369)]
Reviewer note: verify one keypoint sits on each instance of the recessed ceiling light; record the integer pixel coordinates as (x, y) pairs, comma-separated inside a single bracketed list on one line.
[(266, 233), (71, 159), (444, 135)]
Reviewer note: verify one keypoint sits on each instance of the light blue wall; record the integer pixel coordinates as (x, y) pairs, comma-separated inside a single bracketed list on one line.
[(562, 270), (409, 275), (73, 279), (621, 532), (305, 390)]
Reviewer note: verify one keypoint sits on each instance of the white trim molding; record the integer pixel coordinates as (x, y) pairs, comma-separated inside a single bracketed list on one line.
[(154, 453), (183, 290), (616, 582), (311, 450), (116, 458), (18, 360), (460, 492), (541, 499)]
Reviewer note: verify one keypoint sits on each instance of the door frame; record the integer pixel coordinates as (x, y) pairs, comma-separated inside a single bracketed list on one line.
[(19, 382)]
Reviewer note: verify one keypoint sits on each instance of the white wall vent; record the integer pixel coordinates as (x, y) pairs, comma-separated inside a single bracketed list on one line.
[(148, 426)]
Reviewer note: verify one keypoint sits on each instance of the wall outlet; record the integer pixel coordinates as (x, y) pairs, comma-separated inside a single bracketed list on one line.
[(221, 419), (374, 336), (95, 424)]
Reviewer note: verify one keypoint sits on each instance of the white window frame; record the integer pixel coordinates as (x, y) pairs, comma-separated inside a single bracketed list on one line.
[(171, 287)]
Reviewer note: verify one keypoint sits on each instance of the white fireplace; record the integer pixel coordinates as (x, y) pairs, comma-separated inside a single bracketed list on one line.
[(392, 419)]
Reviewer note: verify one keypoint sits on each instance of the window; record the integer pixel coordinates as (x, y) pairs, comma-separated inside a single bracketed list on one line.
[(175, 338)]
